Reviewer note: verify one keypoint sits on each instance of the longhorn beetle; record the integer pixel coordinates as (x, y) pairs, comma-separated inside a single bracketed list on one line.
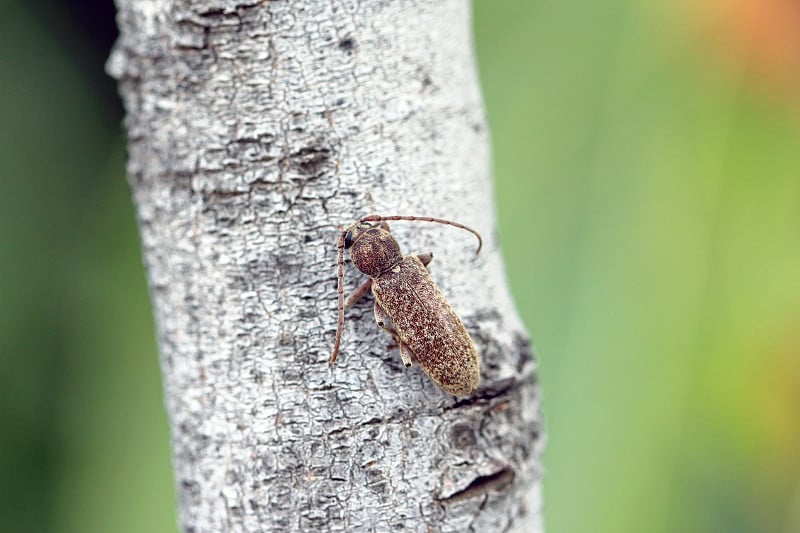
[(408, 304)]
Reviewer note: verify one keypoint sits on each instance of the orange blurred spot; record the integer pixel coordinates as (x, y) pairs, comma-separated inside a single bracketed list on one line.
[(763, 35)]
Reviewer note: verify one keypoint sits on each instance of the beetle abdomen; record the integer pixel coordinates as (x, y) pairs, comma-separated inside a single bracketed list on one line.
[(427, 324)]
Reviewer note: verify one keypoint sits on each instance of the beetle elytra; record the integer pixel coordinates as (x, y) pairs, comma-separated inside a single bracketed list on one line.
[(408, 304)]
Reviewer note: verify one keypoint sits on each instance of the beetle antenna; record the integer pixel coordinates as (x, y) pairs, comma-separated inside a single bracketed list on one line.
[(379, 218), (340, 290)]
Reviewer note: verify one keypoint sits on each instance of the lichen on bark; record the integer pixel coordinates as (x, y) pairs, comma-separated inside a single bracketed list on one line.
[(255, 129)]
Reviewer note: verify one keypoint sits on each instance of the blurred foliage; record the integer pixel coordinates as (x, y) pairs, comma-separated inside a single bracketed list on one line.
[(647, 158), (648, 186), (84, 440)]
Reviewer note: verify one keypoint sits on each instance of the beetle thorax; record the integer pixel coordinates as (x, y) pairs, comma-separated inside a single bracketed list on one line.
[(375, 251)]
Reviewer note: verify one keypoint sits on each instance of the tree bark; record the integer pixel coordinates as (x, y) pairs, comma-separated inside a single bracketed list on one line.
[(256, 129)]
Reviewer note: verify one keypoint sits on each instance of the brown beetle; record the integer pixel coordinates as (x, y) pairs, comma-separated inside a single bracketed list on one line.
[(408, 304)]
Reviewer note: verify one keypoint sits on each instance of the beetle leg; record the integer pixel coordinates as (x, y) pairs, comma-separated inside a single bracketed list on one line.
[(426, 258), (406, 355), (359, 293), (383, 321)]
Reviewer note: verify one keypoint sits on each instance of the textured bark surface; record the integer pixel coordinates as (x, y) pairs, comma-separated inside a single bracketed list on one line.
[(256, 129)]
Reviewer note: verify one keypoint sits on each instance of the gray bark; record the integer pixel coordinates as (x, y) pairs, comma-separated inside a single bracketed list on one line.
[(256, 129)]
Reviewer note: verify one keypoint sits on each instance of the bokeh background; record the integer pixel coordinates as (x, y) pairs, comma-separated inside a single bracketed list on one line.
[(647, 160)]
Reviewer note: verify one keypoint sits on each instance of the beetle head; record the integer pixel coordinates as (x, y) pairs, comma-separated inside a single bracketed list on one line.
[(373, 249)]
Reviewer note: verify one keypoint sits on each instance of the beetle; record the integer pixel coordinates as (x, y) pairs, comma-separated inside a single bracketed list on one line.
[(408, 304)]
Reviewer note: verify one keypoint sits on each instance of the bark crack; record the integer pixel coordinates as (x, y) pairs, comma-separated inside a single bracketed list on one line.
[(496, 481)]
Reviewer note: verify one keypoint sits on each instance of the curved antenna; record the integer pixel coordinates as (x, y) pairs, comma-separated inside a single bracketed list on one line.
[(379, 218), (340, 290)]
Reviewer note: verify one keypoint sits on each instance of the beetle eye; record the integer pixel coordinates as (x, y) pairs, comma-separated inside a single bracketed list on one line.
[(348, 239)]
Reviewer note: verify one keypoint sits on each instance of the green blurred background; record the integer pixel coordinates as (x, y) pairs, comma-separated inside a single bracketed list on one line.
[(648, 176)]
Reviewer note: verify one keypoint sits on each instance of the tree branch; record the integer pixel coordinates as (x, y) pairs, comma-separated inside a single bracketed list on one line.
[(256, 129)]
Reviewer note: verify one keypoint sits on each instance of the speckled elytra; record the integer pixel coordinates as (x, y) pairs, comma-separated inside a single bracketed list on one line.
[(408, 304)]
